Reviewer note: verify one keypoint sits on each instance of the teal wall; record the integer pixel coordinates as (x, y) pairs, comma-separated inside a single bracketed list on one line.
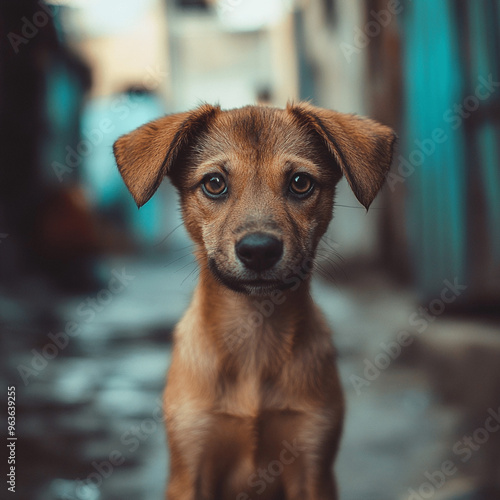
[(451, 134)]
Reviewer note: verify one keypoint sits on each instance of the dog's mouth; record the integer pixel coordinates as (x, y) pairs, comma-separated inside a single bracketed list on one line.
[(255, 286)]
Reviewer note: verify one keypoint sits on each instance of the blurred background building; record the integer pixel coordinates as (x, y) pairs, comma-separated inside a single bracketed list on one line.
[(411, 288)]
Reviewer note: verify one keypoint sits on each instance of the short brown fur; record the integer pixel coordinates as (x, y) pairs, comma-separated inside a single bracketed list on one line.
[(253, 402)]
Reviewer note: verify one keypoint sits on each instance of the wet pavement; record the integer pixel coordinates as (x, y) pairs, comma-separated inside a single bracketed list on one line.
[(89, 373)]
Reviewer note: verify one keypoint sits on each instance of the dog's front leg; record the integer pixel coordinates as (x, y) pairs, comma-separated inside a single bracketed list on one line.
[(311, 486), (185, 481), (311, 476), (181, 486), (187, 433), (182, 481)]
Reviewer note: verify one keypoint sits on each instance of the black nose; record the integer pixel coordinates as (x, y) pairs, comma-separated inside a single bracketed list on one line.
[(259, 251)]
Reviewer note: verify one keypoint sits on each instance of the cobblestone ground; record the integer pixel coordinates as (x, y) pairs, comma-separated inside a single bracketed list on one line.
[(88, 417)]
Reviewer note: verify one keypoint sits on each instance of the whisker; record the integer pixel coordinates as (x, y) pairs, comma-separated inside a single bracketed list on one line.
[(191, 245), (322, 272), (176, 260), (193, 271), (330, 260), (186, 265), (168, 235)]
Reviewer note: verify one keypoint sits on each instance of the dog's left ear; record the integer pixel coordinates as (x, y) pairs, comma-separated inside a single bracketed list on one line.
[(145, 155), (361, 147)]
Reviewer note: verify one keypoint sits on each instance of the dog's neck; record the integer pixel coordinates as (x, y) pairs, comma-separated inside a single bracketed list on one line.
[(243, 322)]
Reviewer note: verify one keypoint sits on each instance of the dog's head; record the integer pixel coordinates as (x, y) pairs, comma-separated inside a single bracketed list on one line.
[(257, 183)]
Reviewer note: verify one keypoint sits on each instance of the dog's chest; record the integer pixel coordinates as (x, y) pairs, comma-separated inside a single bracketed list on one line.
[(252, 389), (241, 397)]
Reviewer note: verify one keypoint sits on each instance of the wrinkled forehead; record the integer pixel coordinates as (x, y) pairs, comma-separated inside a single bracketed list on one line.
[(258, 135)]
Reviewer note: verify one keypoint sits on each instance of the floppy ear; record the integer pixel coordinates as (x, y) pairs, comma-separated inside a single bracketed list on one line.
[(145, 155), (361, 147)]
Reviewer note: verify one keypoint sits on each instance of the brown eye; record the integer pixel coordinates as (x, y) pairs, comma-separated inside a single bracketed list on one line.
[(301, 185), (214, 185)]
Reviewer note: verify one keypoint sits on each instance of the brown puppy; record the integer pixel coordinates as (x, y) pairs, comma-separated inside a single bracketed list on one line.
[(253, 402)]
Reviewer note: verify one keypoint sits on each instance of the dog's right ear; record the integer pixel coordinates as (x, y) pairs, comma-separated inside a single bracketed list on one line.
[(145, 155)]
